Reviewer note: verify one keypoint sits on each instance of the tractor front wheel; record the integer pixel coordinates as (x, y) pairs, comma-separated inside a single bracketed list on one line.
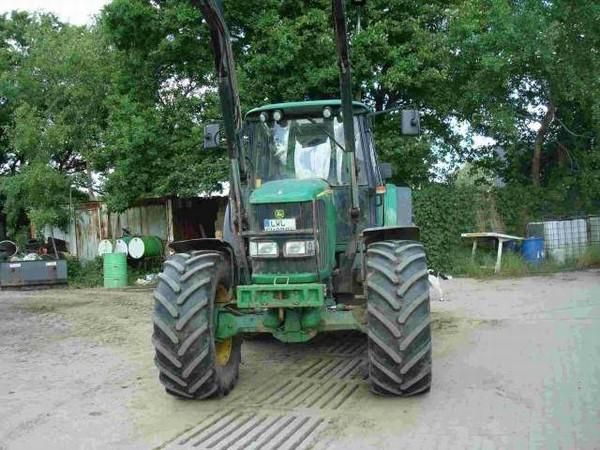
[(398, 318), (191, 362)]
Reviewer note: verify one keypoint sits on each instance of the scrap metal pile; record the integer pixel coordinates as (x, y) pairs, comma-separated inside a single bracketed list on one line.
[(38, 264)]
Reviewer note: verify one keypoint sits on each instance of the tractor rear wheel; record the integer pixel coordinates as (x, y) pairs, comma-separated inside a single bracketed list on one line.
[(191, 363), (398, 318)]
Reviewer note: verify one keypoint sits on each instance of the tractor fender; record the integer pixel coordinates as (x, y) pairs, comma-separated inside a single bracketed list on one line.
[(378, 234), (218, 245), (391, 233), (367, 237)]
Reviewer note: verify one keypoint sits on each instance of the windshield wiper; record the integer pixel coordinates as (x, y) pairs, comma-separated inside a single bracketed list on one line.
[(326, 131)]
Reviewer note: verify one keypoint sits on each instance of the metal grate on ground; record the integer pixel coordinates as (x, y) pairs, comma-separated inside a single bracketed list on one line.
[(250, 430), (304, 394)]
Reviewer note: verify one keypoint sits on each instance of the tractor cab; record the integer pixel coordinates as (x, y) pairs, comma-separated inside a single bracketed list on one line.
[(305, 141)]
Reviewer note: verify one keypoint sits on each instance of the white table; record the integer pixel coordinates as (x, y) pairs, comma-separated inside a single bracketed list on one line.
[(501, 238)]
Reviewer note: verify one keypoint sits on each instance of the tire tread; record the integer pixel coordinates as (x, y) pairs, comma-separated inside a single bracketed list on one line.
[(183, 336), (398, 318)]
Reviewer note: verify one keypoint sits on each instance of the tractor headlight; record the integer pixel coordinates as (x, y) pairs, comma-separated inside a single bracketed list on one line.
[(299, 248), (265, 249)]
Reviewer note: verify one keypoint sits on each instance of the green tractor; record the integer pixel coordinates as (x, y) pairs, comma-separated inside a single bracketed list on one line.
[(314, 241)]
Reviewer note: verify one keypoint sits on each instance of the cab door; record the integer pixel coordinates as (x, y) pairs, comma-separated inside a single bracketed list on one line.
[(370, 179)]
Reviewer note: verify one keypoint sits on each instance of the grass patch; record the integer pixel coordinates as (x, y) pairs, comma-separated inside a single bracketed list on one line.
[(513, 264), (590, 258), (85, 274), (140, 269), (90, 274), (465, 265)]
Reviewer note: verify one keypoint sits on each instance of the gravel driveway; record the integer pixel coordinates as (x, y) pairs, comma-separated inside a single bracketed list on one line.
[(516, 365)]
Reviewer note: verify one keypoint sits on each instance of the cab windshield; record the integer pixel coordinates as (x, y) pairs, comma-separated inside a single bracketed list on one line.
[(302, 148)]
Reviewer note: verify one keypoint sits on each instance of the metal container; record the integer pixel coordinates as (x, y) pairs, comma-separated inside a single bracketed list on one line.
[(7, 249), (122, 244), (558, 255), (570, 235), (33, 273), (145, 246), (105, 246), (533, 250), (594, 229), (115, 270)]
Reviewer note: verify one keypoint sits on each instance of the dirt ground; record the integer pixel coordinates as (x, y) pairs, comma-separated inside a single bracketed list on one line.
[(516, 365)]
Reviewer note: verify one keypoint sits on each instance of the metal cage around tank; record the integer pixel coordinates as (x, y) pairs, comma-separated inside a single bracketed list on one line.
[(567, 238)]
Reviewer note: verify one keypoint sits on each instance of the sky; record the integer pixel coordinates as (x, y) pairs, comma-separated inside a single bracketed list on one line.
[(77, 12)]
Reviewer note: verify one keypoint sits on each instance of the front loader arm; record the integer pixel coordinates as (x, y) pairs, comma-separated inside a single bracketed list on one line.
[(341, 39), (225, 71), (212, 12)]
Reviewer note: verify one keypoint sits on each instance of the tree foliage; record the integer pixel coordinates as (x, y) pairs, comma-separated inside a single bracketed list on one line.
[(162, 92), (53, 86), (118, 107), (526, 74)]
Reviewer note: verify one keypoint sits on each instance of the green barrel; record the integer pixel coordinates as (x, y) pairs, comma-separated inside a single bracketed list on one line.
[(145, 246), (122, 244), (115, 270)]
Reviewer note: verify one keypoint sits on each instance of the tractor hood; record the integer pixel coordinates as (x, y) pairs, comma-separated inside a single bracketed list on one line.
[(287, 191)]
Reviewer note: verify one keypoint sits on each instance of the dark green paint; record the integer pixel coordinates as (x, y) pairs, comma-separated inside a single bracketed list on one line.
[(271, 319), (299, 324), (390, 206), (330, 232), (311, 318), (287, 278), (280, 295), (288, 191), (292, 191)]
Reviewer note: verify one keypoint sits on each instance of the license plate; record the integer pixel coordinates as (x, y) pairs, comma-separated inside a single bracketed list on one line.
[(280, 224)]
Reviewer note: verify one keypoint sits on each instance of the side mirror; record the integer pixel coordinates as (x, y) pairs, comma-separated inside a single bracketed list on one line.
[(385, 169), (212, 133), (411, 125)]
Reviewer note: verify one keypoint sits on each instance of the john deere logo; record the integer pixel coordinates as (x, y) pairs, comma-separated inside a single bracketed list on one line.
[(279, 213)]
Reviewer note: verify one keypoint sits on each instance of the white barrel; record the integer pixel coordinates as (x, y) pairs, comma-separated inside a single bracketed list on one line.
[(145, 246), (104, 246), (121, 246)]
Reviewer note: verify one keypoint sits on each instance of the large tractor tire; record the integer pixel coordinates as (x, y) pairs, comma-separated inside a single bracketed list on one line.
[(398, 318), (191, 363)]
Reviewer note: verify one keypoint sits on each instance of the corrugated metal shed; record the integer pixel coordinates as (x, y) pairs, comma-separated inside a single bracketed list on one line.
[(143, 220), (92, 222), (165, 217)]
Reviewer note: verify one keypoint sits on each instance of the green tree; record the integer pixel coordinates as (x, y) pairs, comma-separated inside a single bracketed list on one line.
[(161, 93), (126, 99), (53, 88), (526, 73), (284, 51)]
